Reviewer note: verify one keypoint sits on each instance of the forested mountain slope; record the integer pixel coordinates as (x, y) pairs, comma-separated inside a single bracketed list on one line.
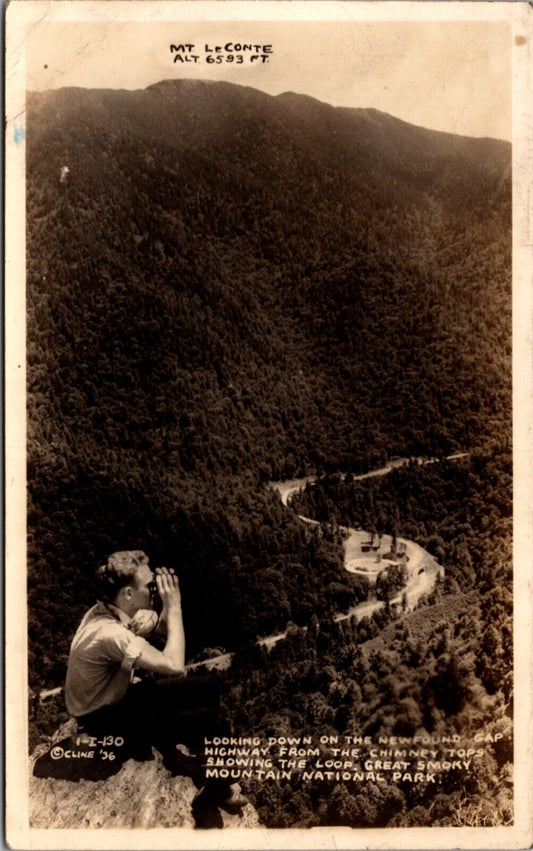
[(442, 670), (227, 288)]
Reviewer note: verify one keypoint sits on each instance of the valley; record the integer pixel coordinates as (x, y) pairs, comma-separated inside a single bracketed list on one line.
[(231, 295)]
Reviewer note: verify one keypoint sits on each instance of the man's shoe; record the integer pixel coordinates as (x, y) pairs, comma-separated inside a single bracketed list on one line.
[(234, 804)]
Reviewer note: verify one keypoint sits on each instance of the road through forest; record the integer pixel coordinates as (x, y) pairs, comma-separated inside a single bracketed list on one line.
[(422, 567)]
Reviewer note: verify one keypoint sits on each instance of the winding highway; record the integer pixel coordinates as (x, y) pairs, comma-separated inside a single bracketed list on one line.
[(422, 567)]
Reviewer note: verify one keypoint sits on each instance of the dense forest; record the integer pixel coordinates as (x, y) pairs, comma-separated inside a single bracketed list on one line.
[(445, 668), (224, 289)]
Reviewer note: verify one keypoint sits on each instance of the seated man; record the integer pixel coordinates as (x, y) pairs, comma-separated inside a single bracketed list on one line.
[(107, 649)]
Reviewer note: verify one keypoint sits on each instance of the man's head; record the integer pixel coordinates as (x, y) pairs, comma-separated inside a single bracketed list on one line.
[(126, 581)]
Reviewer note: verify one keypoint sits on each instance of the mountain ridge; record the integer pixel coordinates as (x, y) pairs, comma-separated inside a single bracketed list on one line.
[(289, 96)]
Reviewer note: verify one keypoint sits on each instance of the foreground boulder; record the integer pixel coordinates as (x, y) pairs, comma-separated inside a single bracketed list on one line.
[(133, 795)]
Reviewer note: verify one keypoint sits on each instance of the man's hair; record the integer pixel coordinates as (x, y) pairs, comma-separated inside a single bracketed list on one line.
[(118, 571)]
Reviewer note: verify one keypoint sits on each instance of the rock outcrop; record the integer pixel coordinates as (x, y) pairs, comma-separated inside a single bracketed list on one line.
[(136, 795)]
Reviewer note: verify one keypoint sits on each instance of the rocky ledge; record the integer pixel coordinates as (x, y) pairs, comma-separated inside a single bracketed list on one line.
[(136, 795)]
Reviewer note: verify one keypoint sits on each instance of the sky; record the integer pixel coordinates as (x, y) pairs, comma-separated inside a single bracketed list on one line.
[(451, 75)]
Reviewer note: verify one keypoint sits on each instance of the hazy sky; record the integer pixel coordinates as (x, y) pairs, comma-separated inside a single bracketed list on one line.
[(453, 76)]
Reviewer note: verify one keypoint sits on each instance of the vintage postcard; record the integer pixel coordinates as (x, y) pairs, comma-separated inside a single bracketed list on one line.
[(268, 425)]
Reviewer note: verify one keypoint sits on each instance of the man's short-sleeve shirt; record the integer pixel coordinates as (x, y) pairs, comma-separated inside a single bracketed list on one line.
[(102, 658)]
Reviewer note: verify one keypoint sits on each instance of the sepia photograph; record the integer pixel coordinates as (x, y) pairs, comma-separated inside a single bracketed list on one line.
[(268, 425)]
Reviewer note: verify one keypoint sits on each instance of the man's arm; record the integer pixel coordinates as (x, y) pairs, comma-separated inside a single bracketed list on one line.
[(171, 660), (161, 627)]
